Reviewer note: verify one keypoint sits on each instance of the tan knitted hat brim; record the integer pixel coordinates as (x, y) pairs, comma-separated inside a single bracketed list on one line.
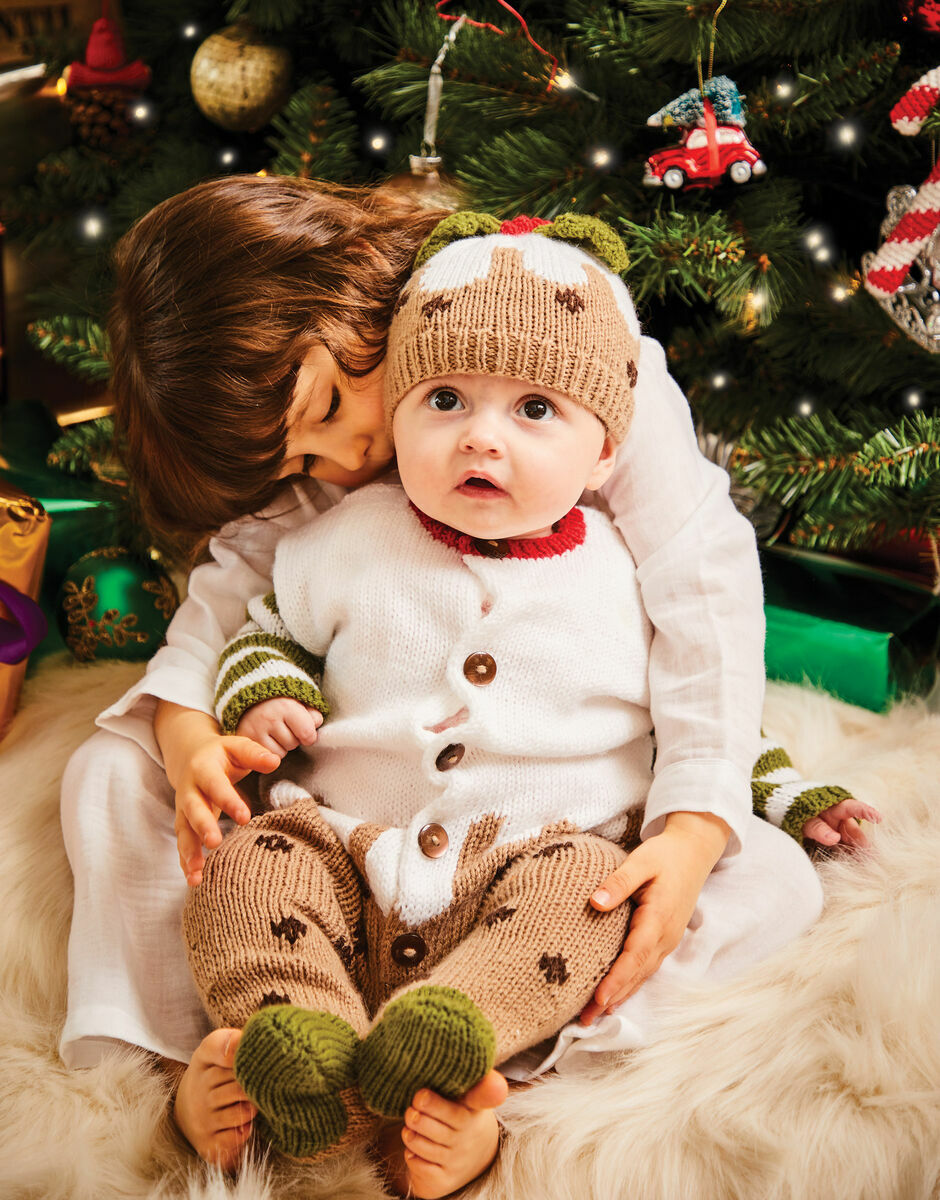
[(510, 321)]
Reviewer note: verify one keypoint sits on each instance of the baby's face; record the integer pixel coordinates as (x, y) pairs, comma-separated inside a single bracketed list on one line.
[(495, 457)]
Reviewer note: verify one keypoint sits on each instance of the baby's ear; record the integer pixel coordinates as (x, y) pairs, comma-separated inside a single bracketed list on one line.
[(590, 234), (454, 228)]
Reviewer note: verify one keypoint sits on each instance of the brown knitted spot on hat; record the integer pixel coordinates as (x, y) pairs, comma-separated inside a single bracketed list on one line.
[(572, 300), (400, 303), (273, 998), (345, 951), (438, 304), (290, 928), (554, 968), (632, 372), (274, 841)]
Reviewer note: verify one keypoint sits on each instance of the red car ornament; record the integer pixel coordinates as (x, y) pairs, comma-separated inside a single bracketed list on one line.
[(704, 156)]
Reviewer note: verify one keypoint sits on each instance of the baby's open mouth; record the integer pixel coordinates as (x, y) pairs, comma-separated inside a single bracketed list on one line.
[(476, 485)]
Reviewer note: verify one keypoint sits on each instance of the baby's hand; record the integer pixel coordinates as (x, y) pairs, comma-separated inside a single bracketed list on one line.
[(280, 725), (206, 787), (839, 824)]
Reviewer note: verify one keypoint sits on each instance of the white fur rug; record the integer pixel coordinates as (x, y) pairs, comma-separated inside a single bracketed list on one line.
[(816, 1077)]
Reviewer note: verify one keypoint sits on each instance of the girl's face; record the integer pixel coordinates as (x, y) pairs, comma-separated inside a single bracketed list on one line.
[(336, 425)]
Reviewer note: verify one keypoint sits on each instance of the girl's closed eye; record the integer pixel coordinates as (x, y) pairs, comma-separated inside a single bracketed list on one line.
[(537, 408), (333, 409), (444, 399)]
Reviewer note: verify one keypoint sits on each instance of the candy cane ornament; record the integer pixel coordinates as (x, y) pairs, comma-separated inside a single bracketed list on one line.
[(888, 267)]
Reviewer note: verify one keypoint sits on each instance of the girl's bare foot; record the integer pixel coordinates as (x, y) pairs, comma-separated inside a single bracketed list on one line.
[(448, 1143), (211, 1110)]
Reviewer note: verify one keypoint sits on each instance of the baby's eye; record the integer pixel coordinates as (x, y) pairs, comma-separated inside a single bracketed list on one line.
[(444, 400), (537, 408)]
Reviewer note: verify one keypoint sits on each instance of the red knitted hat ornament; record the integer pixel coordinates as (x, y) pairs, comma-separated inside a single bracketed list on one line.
[(106, 64)]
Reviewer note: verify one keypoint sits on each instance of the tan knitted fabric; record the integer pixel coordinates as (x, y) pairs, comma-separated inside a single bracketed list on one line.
[(283, 917), (525, 307)]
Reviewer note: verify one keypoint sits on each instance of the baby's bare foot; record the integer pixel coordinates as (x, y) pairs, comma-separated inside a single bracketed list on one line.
[(450, 1142), (211, 1110)]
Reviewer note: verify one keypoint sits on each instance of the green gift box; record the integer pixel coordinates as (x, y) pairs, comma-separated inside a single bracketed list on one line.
[(863, 633)]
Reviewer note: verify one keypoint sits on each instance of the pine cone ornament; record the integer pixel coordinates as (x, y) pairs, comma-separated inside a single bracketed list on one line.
[(99, 117)]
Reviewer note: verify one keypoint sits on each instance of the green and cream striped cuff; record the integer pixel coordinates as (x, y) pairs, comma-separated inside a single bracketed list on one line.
[(782, 797)]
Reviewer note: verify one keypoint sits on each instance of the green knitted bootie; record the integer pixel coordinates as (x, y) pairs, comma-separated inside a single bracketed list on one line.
[(292, 1062), (433, 1037)]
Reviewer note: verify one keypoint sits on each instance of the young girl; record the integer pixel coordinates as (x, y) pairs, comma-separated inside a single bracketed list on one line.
[(247, 341)]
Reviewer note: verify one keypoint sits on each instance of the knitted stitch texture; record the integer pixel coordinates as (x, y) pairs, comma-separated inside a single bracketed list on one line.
[(525, 307), (292, 1063), (785, 799), (432, 1037)]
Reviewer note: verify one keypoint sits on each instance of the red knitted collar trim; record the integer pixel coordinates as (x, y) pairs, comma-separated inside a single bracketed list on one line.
[(566, 535)]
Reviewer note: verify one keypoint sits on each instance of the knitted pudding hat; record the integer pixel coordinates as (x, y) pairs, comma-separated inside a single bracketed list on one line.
[(527, 299)]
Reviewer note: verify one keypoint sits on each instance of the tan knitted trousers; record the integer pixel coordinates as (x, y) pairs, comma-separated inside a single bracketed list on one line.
[(283, 915)]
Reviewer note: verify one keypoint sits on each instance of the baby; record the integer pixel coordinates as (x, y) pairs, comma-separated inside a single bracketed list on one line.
[(421, 902)]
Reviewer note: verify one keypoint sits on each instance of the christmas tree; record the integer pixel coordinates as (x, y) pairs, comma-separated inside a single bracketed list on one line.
[(772, 136)]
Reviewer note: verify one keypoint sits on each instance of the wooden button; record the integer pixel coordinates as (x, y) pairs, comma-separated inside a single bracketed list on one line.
[(480, 669), (450, 756), (408, 950), (491, 549), (433, 840)]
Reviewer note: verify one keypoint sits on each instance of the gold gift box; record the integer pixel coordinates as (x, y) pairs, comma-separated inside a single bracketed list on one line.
[(24, 536)]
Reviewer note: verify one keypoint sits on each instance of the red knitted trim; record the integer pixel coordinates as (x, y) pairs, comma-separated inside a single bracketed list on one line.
[(522, 224), (567, 534)]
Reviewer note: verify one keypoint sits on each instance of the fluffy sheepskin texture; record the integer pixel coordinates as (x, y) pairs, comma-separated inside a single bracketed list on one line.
[(815, 1076)]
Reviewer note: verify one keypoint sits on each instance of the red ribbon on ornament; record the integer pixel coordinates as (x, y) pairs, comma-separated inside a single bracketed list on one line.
[(495, 29), (711, 137)]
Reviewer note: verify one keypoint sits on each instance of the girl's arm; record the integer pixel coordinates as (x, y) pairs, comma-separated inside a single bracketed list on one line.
[(183, 671), (700, 580)]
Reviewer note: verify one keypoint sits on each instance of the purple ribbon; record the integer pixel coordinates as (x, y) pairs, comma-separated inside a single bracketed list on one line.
[(27, 629)]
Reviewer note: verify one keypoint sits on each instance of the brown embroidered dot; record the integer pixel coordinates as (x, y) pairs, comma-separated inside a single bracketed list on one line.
[(273, 998), (400, 303), (554, 968), (499, 914), (570, 299), (632, 372), (274, 841), (290, 928), (438, 304), (551, 851), (345, 952)]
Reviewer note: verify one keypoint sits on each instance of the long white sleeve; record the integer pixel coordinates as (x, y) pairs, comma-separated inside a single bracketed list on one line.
[(700, 581), (184, 670)]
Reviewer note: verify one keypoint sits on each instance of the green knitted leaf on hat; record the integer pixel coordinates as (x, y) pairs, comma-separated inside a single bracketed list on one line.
[(454, 228), (591, 234)]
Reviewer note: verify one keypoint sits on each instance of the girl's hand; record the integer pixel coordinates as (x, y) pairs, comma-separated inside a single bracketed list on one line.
[(840, 824), (281, 724), (663, 876), (205, 787)]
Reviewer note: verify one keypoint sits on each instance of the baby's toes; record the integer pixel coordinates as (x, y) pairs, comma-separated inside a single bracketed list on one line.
[(425, 1147), (427, 1180), (226, 1147)]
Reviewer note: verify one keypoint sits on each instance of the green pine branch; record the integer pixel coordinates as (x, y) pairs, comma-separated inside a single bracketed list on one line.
[(315, 135), (529, 171), (78, 343), (827, 88), (87, 449), (274, 15), (847, 487)]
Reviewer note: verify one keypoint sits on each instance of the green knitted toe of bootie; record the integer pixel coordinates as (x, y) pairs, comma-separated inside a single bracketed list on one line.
[(292, 1062), (432, 1037)]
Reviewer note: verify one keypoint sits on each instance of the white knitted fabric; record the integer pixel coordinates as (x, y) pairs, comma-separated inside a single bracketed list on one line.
[(562, 732)]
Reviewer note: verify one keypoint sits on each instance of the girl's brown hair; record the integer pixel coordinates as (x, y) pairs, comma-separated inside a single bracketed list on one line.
[(220, 292)]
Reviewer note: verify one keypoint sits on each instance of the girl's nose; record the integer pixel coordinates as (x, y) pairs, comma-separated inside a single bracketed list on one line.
[(351, 452)]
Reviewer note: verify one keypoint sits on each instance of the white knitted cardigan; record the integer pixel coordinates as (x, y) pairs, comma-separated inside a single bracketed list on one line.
[(393, 607)]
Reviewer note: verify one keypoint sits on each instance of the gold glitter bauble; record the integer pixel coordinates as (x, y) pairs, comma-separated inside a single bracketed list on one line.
[(238, 80)]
